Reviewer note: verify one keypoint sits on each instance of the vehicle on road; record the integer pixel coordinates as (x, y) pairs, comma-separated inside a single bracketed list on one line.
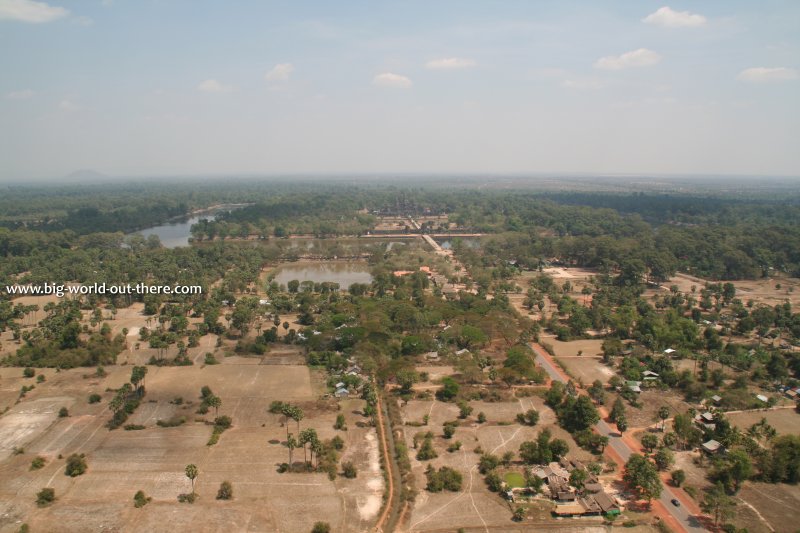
[(675, 502)]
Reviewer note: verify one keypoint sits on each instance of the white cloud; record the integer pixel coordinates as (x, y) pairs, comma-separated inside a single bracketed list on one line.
[(668, 18), (30, 11), (214, 86), (450, 63), (765, 74), (388, 79), (636, 58), (20, 95), (280, 72), (68, 105)]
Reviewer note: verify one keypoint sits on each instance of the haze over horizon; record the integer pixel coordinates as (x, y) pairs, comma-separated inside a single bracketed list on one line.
[(200, 88)]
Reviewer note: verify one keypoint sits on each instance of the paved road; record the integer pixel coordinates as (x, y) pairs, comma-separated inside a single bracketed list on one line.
[(688, 522)]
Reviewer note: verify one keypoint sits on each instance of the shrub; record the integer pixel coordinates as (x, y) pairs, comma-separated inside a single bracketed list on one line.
[(276, 407), (45, 496), (340, 423), (321, 527), (28, 372), (38, 462), (76, 465), (40, 378), (454, 447), (210, 359), (95, 398), (63, 412), (187, 498), (222, 422), (349, 470), (140, 499), (337, 443), (225, 491), (133, 427), (172, 422), (445, 478)]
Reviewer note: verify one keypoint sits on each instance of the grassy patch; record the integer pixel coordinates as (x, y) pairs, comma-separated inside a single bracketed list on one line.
[(514, 480)]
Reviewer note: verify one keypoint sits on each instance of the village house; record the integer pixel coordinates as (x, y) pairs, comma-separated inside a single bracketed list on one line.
[(712, 447)]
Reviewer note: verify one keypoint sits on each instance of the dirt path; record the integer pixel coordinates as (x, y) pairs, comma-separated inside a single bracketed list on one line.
[(390, 503)]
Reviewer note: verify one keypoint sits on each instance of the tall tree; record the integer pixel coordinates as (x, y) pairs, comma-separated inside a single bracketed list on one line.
[(191, 473), (719, 504), (641, 475)]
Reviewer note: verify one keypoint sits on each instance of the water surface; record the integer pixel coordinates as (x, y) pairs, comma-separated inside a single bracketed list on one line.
[(341, 272)]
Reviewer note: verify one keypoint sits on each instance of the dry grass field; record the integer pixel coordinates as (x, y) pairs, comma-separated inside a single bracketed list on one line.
[(475, 505), (785, 421), (121, 462), (586, 369)]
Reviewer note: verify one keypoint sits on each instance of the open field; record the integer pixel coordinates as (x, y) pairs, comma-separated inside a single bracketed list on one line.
[(764, 504), (586, 369), (475, 504), (785, 421), (651, 400), (589, 347), (121, 462), (761, 291)]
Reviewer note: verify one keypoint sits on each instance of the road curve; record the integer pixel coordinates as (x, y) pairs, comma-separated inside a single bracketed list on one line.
[(679, 516)]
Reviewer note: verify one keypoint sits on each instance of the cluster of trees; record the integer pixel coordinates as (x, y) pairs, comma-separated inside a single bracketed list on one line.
[(445, 478), (543, 450)]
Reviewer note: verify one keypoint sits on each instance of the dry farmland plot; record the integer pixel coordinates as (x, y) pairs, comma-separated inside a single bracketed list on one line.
[(651, 400), (785, 421), (587, 347), (764, 291), (586, 369), (776, 505), (122, 462), (475, 506)]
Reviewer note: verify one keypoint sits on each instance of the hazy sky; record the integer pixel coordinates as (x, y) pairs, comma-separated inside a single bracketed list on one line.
[(155, 87)]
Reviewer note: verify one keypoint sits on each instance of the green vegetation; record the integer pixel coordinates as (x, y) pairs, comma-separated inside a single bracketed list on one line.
[(45, 497), (515, 480), (445, 478), (140, 499), (225, 491), (76, 465)]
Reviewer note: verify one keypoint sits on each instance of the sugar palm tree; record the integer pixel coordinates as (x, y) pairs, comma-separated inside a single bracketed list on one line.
[(191, 473), (291, 443), (215, 402)]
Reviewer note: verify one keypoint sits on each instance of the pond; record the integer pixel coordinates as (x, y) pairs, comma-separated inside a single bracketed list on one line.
[(175, 234), (342, 272), (468, 242)]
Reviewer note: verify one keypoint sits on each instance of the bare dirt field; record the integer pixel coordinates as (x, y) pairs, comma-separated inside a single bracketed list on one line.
[(764, 504), (586, 369), (121, 462), (785, 421), (652, 401), (761, 291), (589, 347), (761, 507)]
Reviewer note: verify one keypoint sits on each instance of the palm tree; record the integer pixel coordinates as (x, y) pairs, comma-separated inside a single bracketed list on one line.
[(291, 443), (287, 411), (297, 415), (663, 414), (191, 473), (215, 402), (316, 447)]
